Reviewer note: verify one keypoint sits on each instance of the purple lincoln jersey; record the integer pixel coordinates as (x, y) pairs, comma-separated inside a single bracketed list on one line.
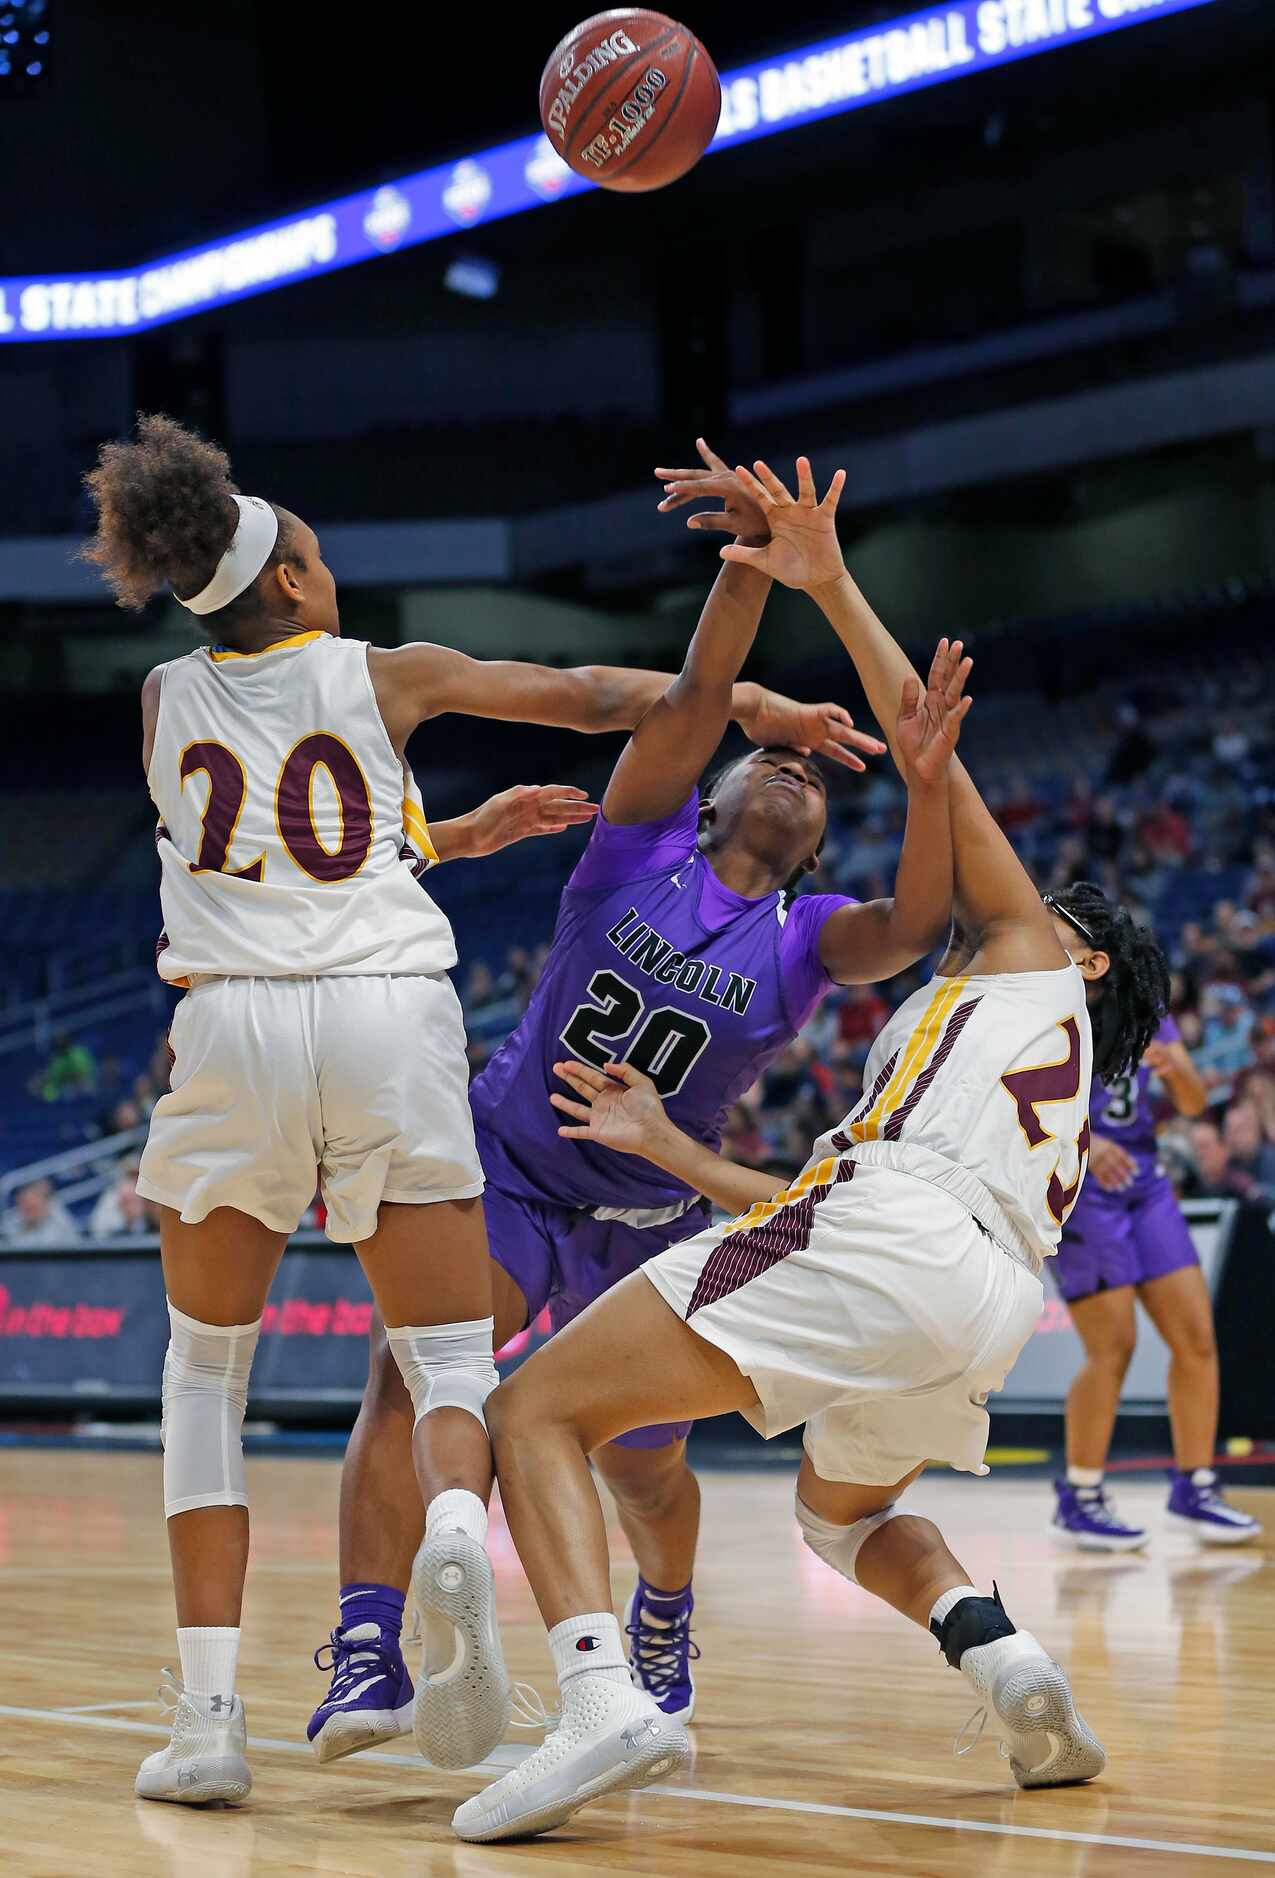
[(656, 962), (1137, 1234)]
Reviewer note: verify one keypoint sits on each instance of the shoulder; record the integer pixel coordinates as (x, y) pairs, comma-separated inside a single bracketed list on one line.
[(805, 917), (625, 851)]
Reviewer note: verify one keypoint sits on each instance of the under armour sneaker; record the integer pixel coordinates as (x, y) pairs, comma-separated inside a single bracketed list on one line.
[(1085, 1517), (206, 1759), (463, 1697), (660, 1649), (1047, 1741), (370, 1698), (611, 1737), (1196, 1502)]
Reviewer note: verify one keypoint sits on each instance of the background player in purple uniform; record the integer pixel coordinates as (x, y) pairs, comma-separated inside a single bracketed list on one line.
[(678, 949), (1127, 1239)]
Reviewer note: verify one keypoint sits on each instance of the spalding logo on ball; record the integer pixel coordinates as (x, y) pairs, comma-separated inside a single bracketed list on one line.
[(630, 99)]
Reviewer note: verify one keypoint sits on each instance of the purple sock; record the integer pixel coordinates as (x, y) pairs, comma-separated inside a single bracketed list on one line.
[(664, 1604), (373, 1604)]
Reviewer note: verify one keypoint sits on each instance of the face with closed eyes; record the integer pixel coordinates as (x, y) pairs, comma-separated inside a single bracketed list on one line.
[(774, 804)]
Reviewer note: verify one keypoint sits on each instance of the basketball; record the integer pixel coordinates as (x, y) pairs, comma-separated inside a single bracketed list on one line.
[(630, 99)]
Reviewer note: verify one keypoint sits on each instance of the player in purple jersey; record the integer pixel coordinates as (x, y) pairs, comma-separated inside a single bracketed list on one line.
[(1127, 1239), (679, 949)]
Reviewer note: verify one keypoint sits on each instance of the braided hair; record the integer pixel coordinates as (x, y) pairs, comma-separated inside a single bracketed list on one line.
[(1130, 1000), (165, 517)]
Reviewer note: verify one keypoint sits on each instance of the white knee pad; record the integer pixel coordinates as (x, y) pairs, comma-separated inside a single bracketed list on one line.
[(446, 1365), (839, 1546), (205, 1392)]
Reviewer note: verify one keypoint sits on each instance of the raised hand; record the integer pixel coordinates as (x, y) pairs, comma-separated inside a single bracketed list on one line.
[(619, 1110), (821, 729), (525, 810), (739, 514), (929, 721), (803, 550)]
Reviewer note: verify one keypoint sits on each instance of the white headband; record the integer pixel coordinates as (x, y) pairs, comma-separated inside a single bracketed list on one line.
[(243, 560)]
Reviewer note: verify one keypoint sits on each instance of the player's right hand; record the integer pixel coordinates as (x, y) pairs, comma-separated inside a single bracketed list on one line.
[(739, 514), (803, 550), (618, 1108), (1111, 1166)]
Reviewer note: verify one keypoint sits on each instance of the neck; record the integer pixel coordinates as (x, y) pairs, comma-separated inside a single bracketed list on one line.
[(749, 875), (257, 635)]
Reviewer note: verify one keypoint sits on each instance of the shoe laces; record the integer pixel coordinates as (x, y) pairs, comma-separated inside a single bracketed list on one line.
[(1100, 1509), (348, 1662), (961, 1747), (530, 1710), (170, 1692), (661, 1651)]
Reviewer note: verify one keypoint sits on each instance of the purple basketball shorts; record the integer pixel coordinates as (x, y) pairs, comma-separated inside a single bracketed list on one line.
[(1124, 1238), (564, 1258)]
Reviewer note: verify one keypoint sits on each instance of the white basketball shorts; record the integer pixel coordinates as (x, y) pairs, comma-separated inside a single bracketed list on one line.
[(354, 1087), (870, 1305)]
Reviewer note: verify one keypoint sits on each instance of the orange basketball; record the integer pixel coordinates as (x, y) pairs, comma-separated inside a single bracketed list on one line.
[(630, 99)]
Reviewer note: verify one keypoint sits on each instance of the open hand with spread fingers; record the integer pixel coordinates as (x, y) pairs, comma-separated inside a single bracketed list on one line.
[(618, 1108), (929, 721), (528, 809), (803, 550), (740, 515)]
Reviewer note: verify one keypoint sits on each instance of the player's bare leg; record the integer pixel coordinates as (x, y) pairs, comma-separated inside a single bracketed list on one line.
[(1178, 1305), (382, 1524), (428, 1269), (629, 1361), (217, 1275), (657, 1501), (905, 1561), (1085, 1516)]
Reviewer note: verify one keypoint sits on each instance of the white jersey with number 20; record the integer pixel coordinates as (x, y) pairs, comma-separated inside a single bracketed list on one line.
[(284, 823)]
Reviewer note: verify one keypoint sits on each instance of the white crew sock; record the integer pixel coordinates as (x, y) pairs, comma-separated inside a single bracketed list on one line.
[(1084, 1476), (589, 1645), (209, 1655), (949, 1600), (457, 1510)]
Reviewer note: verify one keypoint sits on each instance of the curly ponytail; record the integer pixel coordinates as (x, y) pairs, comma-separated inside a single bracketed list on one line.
[(165, 517), (1134, 995)]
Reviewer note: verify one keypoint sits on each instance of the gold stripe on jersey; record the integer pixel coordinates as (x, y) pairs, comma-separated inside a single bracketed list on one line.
[(912, 1060), (416, 828), (221, 653), (818, 1175)]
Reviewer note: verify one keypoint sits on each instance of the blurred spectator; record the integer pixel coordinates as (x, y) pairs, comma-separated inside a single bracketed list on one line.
[(1250, 1155), (38, 1217), (1226, 1047), (1212, 1170), (480, 986), (121, 1213), (70, 1071), (145, 1094), (121, 1117)]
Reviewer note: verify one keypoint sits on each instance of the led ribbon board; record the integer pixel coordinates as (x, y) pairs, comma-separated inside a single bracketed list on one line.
[(931, 47)]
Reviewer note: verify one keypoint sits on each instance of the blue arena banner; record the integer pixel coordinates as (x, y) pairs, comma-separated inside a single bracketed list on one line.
[(930, 47)]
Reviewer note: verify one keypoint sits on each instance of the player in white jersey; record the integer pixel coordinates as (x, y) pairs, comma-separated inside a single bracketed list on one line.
[(319, 1042), (880, 1298)]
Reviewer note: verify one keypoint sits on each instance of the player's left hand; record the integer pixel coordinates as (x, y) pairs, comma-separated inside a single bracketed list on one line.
[(739, 514), (525, 810), (826, 730), (929, 722), (1158, 1057), (618, 1109)]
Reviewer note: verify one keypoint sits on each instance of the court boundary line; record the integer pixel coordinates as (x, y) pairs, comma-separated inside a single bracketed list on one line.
[(767, 1803)]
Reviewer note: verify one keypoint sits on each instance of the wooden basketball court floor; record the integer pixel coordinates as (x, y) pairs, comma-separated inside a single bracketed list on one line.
[(825, 1730)]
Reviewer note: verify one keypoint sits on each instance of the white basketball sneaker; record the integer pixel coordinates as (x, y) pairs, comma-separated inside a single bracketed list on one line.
[(463, 1697), (206, 1759), (1047, 1740), (611, 1737)]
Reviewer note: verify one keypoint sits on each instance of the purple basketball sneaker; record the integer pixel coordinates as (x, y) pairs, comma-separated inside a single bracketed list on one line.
[(658, 1626), (1196, 1502), (1084, 1517), (371, 1696)]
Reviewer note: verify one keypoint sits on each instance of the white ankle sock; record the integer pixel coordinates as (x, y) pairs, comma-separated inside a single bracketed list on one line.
[(209, 1656), (589, 1645), (949, 1600), (457, 1510), (1084, 1476)]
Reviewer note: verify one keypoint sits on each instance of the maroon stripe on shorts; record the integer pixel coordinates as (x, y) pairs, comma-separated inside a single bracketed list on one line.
[(746, 1255), (955, 1025), (841, 1140)]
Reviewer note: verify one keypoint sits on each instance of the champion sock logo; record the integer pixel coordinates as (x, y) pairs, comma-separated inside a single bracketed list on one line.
[(588, 1643)]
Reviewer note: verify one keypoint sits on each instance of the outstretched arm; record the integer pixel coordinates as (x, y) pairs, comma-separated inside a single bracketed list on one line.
[(516, 814), (996, 903), (622, 1111)]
